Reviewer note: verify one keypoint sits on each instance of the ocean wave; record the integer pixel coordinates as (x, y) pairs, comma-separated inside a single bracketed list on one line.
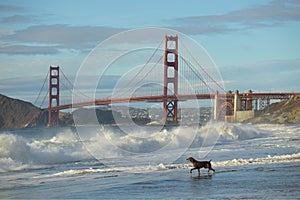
[(18, 151), (108, 143), (132, 169), (162, 167), (286, 158), (224, 132), (264, 160)]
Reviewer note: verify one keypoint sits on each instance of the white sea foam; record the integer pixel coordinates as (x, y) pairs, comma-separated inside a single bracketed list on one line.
[(151, 168), (264, 160), (19, 152), (223, 132), (109, 144), (286, 158), (131, 169)]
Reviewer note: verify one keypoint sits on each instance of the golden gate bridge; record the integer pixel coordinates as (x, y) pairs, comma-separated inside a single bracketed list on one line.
[(182, 78)]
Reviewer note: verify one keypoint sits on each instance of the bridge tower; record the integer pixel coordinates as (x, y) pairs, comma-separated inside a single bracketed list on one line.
[(170, 105), (53, 115)]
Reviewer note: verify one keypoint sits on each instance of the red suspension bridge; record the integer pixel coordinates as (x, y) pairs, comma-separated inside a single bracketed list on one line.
[(181, 78)]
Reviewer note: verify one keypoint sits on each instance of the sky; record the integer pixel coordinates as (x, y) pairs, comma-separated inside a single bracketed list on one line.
[(254, 43)]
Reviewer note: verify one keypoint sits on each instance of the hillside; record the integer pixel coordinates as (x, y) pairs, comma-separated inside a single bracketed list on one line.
[(284, 112), (15, 113)]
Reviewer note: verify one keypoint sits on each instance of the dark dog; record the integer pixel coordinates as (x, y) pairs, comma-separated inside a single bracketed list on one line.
[(200, 164)]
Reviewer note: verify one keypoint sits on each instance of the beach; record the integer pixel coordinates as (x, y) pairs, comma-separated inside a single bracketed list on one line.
[(251, 162)]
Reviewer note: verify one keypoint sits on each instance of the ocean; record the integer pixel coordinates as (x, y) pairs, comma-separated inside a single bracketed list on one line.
[(251, 162)]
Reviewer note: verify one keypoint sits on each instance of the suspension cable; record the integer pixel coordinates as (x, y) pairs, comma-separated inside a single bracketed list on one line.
[(195, 72), (203, 68), (83, 94), (46, 78), (44, 99), (142, 68)]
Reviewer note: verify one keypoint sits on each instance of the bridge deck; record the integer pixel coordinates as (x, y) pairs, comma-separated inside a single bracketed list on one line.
[(243, 96)]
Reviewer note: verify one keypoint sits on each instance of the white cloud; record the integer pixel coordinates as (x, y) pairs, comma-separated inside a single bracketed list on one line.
[(18, 19), (8, 8), (273, 14), (59, 36), (275, 75), (24, 49)]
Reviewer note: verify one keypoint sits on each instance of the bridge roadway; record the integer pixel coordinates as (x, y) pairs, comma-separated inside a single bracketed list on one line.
[(243, 96)]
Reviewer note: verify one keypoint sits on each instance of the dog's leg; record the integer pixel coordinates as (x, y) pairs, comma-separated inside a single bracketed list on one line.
[(191, 171), (198, 172), (211, 169)]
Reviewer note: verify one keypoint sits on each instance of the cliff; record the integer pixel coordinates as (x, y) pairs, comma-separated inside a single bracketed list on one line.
[(15, 113), (284, 112)]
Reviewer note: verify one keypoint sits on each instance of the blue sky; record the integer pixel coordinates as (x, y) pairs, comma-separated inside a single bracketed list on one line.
[(255, 44)]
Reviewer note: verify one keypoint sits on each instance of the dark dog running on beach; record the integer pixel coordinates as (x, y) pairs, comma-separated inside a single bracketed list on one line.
[(200, 164)]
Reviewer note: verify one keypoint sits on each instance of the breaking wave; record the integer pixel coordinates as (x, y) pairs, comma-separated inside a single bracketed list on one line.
[(159, 167), (295, 157), (19, 151)]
